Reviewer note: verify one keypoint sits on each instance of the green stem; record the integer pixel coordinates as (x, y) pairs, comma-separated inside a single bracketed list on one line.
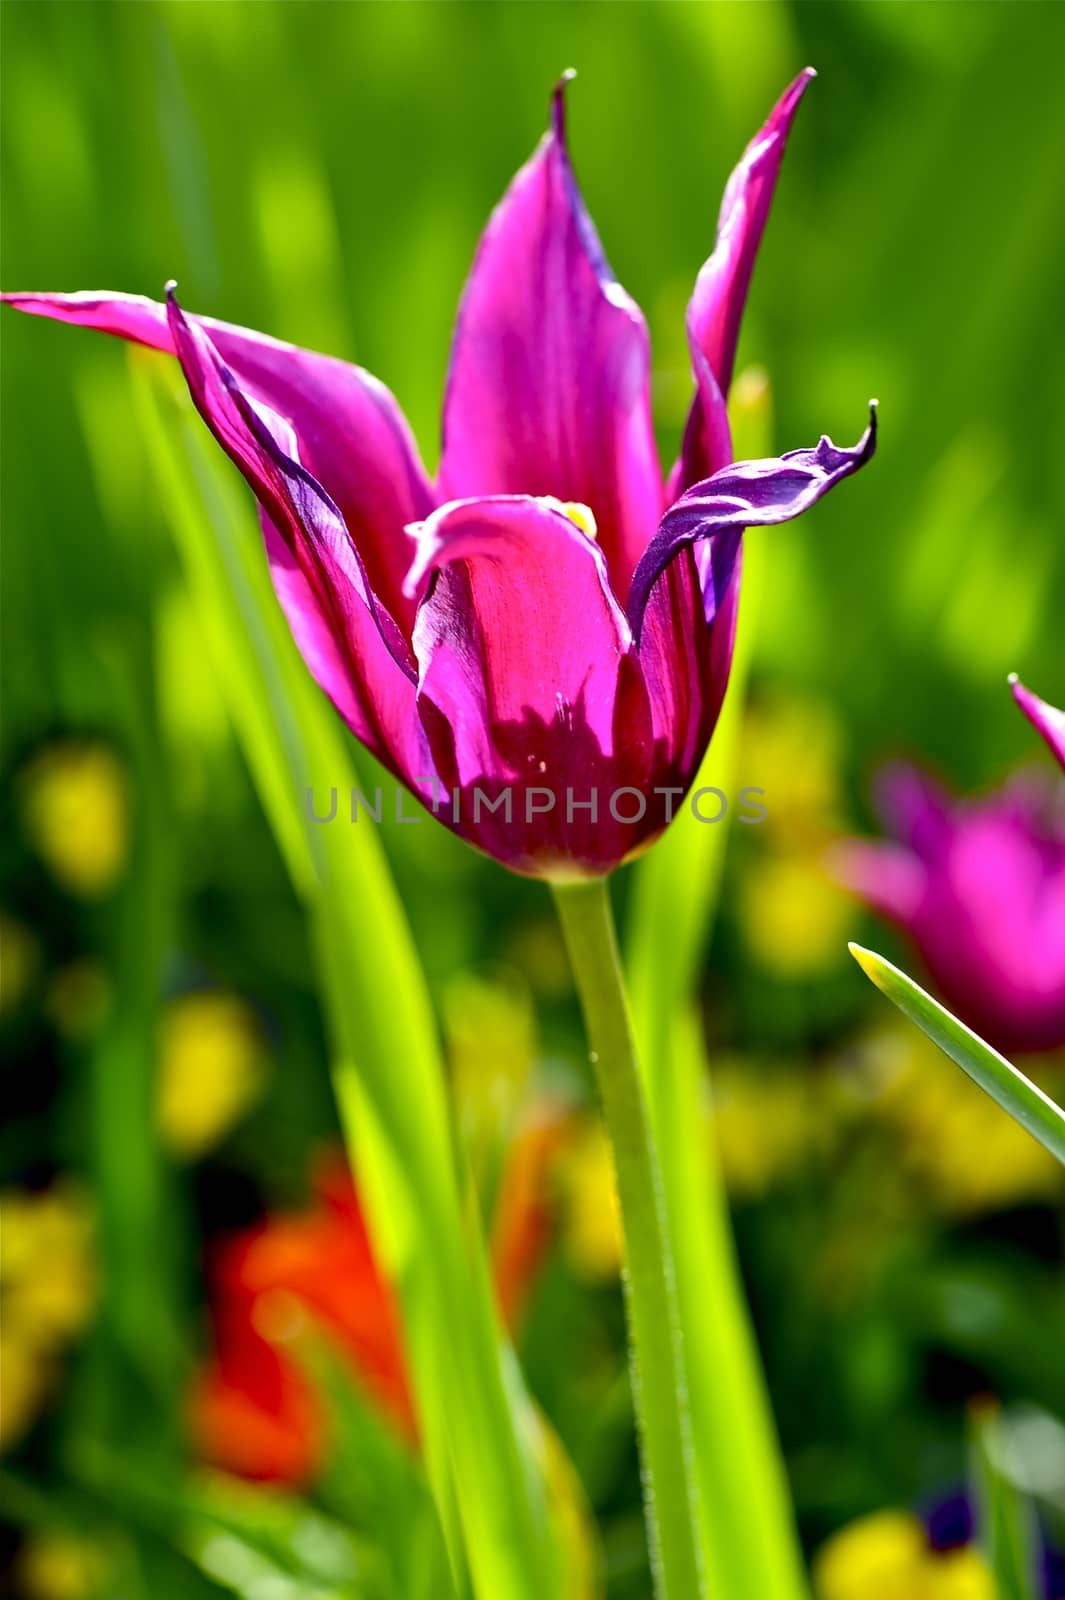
[(650, 1286)]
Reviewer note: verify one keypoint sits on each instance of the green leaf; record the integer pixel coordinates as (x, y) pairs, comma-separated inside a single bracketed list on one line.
[(387, 1069), (373, 1479), (1006, 1520), (242, 1537), (747, 1526), (1024, 1101)]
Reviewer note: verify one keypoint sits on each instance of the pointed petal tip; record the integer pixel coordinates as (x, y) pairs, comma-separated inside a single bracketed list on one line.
[(874, 422), (1047, 720), (865, 449), (558, 103), (742, 495), (788, 103), (1022, 694), (716, 306)]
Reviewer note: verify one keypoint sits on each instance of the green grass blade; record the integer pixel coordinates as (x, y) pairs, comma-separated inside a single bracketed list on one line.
[(1023, 1100), (137, 1360), (747, 1526), (1006, 1521), (388, 1069)]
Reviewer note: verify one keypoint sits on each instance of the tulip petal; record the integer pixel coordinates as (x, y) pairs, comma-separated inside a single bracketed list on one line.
[(1045, 719), (979, 886), (351, 643), (686, 664), (353, 436), (916, 809), (717, 302), (358, 674), (744, 495), (886, 876), (528, 681), (548, 391)]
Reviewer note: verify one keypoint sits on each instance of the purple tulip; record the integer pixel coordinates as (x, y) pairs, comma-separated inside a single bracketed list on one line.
[(1046, 720), (979, 886), (546, 629)]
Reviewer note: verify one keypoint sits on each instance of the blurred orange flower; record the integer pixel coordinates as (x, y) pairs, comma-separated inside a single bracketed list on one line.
[(253, 1411)]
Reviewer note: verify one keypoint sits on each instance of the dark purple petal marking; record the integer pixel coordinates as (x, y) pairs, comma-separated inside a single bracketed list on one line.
[(686, 666), (359, 655), (746, 494), (318, 515)]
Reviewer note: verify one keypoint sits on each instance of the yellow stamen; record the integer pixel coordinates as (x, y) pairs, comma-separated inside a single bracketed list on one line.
[(580, 515)]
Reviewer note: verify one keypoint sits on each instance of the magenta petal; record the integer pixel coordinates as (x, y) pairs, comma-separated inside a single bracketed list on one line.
[(548, 391), (717, 302), (352, 435), (529, 683), (354, 667), (886, 876), (746, 494), (686, 664), (1045, 719), (979, 886), (916, 809), (351, 643)]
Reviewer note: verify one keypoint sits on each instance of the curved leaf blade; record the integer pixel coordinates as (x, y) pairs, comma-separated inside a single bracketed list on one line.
[(1018, 1096)]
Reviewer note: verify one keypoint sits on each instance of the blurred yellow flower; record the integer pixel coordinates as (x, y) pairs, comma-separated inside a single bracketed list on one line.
[(592, 1235), (75, 810), (764, 1123), (19, 957), (792, 749), (47, 1292), (795, 919), (886, 1556), (211, 1069), (26, 1375), (58, 1567), (955, 1140)]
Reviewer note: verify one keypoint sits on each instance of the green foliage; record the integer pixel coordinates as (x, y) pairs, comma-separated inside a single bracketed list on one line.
[(1019, 1096), (322, 172)]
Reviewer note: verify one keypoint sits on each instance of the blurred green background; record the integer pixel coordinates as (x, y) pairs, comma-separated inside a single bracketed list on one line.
[(322, 172)]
